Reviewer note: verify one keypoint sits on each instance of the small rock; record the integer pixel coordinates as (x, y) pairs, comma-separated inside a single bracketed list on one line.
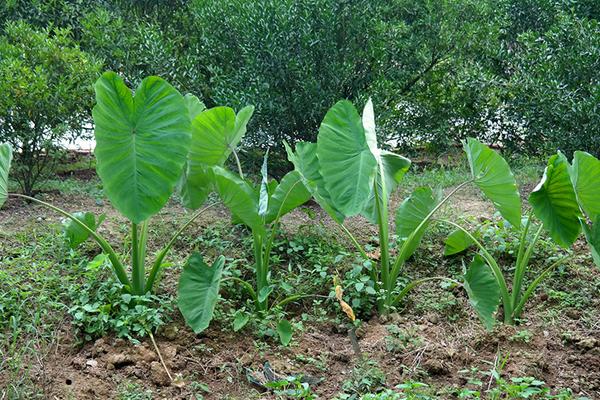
[(170, 331), (573, 314), (145, 354), (396, 318), (119, 360), (168, 353), (433, 318), (91, 363), (78, 362), (435, 367), (362, 330), (99, 347), (158, 375), (587, 344), (246, 359), (342, 356)]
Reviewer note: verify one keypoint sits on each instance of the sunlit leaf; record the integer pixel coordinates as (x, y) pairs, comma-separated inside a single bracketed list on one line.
[(554, 202), (493, 176), (346, 162), (141, 143)]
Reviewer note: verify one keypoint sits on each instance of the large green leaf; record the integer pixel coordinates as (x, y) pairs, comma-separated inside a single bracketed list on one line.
[(554, 202), (216, 132), (483, 290), (5, 160), (390, 171), (457, 242), (74, 233), (493, 176), (307, 164), (592, 235), (239, 198), (198, 291), (346, 162), (585, 176), (194, 105), (289, 194), (141, 143), (409, 216)]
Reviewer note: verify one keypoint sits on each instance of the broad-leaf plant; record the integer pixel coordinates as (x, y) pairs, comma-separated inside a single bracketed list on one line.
[(143, 142), (349, 175), (559, 202), (216, 134)]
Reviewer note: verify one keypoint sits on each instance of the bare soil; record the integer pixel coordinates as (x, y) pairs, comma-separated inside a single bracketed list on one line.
[(565, 353)]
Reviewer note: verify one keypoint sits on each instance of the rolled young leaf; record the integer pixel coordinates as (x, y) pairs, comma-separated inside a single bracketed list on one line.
[(284, 329), (141, 143), (483, 290), (5, 160), (494, 178), (347, 165), (554, 202), (198, 291)]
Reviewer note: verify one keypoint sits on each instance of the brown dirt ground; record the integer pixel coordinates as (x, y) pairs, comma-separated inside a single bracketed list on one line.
[(219, 358)]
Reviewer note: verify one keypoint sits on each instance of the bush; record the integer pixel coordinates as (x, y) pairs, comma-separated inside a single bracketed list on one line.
[(555, 87), (46, 85)]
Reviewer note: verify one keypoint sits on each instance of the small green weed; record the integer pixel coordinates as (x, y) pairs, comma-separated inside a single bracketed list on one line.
[(101, 306)]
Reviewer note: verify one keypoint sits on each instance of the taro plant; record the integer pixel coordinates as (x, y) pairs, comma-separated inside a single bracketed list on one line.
[(553, 202), (259, 207), (348, 175), (142, 146), (585, 177)]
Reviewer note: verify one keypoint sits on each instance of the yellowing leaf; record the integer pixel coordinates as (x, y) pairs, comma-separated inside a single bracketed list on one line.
[(339, 292)]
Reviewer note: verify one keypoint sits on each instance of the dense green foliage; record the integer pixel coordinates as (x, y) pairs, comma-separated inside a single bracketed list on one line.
[(523, 73), (46, 85)]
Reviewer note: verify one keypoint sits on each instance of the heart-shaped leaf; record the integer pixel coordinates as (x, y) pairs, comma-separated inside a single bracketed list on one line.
[(198, 291), (493, 176), (306, 164), (239, 197), (289, 194), (216, 133), (285, 331), (554, 202), (346, 162), (483, 290), (585, 177), (141, 143)]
